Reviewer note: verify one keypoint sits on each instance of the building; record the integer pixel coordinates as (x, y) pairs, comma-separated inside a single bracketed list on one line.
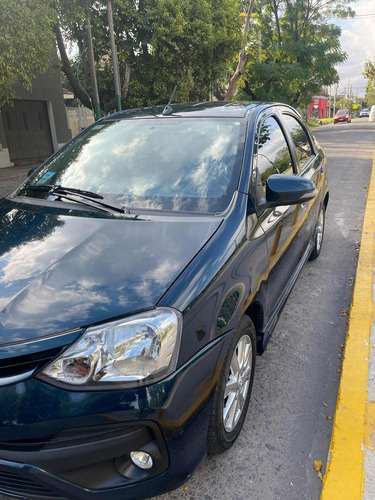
[(36, 125), (319, 107)]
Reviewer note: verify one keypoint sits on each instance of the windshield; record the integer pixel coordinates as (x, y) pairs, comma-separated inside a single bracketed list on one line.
[(343, 112), (180, 164)]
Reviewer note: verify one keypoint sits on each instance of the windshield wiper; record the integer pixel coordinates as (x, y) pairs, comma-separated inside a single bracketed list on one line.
[(56, 188), (67, 193)]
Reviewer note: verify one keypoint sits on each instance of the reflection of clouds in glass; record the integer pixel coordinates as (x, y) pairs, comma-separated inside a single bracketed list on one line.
[(213, 168), (130, 148), (156, 158)]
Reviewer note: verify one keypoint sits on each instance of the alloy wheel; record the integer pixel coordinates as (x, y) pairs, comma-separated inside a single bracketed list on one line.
[(320, 230), (237, 385)]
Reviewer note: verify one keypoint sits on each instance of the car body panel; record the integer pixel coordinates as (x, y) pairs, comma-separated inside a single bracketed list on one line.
[(76, 271)]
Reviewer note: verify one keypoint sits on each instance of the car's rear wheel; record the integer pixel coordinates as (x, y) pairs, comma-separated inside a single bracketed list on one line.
[(319, 234), (232, 393)]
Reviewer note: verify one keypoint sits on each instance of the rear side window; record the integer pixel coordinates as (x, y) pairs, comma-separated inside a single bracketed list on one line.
[(273, 156), (300, 139)]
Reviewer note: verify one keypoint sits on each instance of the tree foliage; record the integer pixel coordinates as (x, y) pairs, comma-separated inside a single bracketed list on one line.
[(160, 43), (293, 50), (369, 74), (26, 42)]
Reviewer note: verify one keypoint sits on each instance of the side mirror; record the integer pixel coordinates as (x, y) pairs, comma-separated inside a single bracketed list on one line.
[(31, 171), (288, 190)]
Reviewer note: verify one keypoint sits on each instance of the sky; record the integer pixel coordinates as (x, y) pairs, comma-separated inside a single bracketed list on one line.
[(358, 41)]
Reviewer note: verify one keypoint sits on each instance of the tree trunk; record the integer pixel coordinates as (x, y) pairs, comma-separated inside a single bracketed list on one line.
[(125, 88), (243, 57), (65, 66), (277, 22)]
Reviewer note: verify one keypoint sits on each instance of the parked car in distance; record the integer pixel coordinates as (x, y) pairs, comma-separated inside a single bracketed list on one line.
[(342, 115), (364, 112), (142, 267)]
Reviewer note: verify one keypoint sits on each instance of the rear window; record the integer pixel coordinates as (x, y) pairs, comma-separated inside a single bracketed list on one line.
[(180, 164)]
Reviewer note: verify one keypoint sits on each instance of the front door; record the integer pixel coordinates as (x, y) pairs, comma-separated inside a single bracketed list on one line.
[(280, 224)]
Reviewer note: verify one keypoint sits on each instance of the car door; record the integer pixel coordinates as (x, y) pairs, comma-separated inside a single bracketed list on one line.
[(272, 155), (310, 165)]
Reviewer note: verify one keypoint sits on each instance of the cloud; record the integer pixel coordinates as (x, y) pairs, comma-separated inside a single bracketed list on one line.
[(358, 41)]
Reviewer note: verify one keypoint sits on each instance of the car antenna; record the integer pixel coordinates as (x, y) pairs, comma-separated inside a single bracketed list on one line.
[(168, 110)]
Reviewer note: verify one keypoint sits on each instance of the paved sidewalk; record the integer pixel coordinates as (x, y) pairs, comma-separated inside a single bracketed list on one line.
[(350, 471), (11, 177)]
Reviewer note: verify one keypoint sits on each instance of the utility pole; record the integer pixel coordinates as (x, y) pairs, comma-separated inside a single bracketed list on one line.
[(334, 99), (329, 102), (92, 66), (348, 95), (116, 74)]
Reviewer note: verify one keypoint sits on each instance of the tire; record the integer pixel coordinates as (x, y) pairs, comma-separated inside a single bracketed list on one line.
[(319, 234), (222, 432)]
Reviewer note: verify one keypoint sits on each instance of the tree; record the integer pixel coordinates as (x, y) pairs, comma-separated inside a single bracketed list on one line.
[(242, 58), (26, 43), (369, 73), (292, 50), (160, 44)]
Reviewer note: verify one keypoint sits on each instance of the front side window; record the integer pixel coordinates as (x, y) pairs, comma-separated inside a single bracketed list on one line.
[(272, 155), (300, 139), (180, 164)]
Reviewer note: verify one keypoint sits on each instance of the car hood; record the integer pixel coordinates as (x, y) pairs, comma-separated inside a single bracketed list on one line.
[(60, 272)]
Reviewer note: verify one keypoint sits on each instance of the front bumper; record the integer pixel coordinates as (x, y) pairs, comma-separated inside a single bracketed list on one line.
[(60, 444)]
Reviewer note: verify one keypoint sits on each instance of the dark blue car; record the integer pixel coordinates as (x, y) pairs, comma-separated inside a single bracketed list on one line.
[(142, 267)]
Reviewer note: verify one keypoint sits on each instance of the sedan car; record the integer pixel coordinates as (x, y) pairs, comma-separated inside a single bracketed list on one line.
[(364, 112), (342, 115), (142, 268)]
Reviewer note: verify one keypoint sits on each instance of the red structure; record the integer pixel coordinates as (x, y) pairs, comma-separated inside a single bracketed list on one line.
[(318, 107)]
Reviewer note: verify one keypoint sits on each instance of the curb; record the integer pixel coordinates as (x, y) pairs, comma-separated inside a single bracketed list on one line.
[(345, 473)]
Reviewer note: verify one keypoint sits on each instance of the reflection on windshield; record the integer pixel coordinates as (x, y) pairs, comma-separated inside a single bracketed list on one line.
[(157, 163)]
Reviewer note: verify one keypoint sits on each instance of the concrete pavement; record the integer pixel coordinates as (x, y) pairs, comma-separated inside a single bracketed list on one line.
[(11, 177)]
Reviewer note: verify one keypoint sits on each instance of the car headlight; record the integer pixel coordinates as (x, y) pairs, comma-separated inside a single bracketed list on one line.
[(137, 350)]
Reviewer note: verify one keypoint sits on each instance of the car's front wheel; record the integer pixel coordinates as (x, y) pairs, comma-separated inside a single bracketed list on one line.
[(232, 393)]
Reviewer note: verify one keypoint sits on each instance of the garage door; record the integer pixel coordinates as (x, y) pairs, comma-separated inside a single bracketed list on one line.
[(27, 130)]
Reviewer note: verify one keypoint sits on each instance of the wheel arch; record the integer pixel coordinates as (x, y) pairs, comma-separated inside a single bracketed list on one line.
[(256, 313)]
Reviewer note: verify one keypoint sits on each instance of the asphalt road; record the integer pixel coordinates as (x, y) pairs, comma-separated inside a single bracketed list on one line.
[(297, 378)]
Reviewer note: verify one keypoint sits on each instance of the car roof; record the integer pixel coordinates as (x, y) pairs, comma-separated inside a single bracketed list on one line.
[(227, 109)]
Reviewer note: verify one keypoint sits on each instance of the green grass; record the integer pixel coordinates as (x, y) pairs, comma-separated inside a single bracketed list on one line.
[(313, 122)]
